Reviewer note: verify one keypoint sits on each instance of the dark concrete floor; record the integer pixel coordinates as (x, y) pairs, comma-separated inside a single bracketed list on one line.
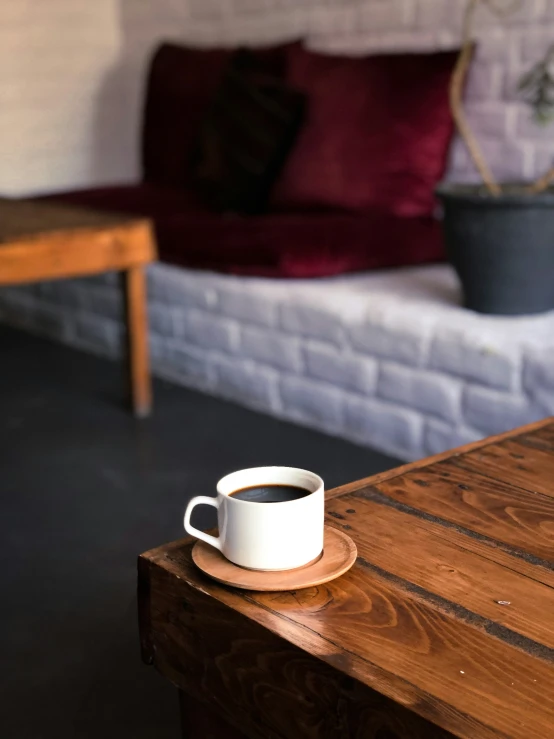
[(84, 489)]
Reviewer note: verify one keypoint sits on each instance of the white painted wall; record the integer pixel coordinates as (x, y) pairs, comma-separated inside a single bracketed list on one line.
[(71, 80), (72, 73)]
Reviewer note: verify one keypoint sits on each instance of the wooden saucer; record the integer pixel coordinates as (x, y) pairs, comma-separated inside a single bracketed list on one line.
[(339, 554)]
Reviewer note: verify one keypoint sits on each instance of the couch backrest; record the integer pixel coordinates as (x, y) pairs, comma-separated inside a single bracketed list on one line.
[(181, 85)]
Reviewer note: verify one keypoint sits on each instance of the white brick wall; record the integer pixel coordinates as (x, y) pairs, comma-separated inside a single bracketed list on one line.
[(292, 349), (72, 73)]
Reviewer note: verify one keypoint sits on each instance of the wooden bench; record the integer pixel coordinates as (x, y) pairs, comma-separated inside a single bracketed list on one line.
[(48, 241)]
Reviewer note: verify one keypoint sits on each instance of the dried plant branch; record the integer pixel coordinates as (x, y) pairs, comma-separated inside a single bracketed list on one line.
[(542, 183), (538, 85), (503, 10), (538, 89), (456, 90)]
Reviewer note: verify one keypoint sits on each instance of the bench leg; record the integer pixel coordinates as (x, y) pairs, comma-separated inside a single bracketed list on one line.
[(134, 289)]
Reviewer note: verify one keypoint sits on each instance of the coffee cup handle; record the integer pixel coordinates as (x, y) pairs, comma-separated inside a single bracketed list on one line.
[(213, 541)]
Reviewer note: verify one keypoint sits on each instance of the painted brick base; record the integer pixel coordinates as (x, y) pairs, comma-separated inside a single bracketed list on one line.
[(385, 359)]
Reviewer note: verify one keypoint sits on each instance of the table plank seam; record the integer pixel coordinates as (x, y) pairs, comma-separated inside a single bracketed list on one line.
[(532, 442), (494, 561), (509, 488), (377, 496), (494, 629), (512, 487)]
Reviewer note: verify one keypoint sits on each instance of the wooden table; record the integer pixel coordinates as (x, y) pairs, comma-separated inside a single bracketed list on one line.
[(444, 627), (46, 241)]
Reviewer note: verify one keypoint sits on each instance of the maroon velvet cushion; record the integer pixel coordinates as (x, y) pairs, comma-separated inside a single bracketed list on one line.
[(311, 245), (376, 134), (275, 245), (181, 84)]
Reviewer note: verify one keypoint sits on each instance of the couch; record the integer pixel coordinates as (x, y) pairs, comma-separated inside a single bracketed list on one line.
[(355, 192)]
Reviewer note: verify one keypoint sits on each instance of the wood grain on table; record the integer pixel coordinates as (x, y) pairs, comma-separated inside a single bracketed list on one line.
[(443, 627)]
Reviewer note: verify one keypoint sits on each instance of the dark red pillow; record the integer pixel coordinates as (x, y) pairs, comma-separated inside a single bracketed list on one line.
[(182, 82), (376, 133)]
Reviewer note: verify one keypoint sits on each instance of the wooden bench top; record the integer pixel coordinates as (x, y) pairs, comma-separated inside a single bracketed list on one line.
[(23, 217), (444, 626), (41, 240)]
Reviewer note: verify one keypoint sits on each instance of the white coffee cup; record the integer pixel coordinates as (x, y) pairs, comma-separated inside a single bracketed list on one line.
[(266, 536)]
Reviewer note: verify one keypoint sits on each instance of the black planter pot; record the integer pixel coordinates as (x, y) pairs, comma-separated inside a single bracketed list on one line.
[(501, 247)]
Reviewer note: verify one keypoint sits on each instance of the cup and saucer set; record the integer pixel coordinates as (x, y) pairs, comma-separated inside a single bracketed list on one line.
[(272, 535)]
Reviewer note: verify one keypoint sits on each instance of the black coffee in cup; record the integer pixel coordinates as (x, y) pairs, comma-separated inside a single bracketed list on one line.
[(270, 493)]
